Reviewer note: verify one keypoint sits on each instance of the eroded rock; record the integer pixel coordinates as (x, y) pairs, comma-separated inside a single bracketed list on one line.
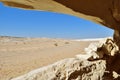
[(98, 50), (68, 69)]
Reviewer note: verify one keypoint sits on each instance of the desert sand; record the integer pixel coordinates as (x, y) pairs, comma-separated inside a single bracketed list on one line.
[(21, 55)]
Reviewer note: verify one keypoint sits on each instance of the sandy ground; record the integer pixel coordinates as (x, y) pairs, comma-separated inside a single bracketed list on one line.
[(21, 55)]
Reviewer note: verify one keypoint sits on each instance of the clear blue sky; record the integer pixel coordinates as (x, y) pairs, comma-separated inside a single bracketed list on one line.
[(28, 23)]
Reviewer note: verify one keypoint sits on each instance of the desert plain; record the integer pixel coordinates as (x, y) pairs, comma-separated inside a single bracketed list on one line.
[(22, 55)]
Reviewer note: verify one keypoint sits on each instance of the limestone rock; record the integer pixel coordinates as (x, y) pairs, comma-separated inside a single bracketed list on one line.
[(68, 69), (115, 75), (98, 50)]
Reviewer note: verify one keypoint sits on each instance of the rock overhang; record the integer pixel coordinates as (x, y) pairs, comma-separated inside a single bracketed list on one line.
[(104, 12)]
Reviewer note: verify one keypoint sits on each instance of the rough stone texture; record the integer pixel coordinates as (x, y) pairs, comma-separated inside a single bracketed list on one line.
[(108, 51), (98, 50), (105, 12), (68, 69)]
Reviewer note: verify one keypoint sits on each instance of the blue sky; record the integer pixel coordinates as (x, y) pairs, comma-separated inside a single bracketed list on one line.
[(29, 23)]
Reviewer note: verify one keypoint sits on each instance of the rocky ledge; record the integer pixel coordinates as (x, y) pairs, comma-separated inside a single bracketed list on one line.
[(68, 69)]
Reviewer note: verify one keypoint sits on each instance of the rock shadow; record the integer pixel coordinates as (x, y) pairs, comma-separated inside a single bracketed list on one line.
[(112, 65)]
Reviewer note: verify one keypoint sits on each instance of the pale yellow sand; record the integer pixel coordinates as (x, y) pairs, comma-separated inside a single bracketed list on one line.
[(19, 56)]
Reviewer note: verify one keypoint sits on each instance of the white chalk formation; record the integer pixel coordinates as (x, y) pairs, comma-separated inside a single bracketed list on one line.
[(98, 50)]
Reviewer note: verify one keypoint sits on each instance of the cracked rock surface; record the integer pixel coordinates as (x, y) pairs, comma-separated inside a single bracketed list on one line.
[(68, 69)]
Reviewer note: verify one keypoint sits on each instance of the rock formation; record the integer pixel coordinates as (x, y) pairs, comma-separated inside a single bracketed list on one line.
[(104, 12), (68, 69)]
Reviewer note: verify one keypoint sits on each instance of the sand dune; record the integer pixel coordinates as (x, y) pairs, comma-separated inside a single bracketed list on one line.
[(21, 55)]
